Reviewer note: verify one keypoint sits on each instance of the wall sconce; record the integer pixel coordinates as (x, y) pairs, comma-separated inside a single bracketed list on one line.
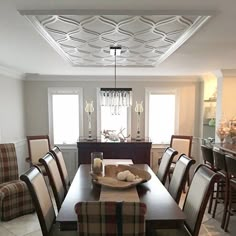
[(89, 109), (138, 109)]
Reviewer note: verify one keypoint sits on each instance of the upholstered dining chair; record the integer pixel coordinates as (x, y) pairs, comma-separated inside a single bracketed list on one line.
[(57, 153), (37, 186), (111, 218), (208, 159), (179, 177), (164, 166), (195, 203), (38, 146), (15, 199), (54, 176), (183, 145)]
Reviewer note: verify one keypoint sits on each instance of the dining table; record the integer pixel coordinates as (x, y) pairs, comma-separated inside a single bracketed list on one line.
[(162, 210)]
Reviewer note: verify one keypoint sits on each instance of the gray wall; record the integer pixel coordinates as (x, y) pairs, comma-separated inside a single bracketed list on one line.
[(36, 101), (12, 117), (12, 126)]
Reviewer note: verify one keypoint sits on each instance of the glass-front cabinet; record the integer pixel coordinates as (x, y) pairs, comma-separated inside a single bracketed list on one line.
[(209, 118)]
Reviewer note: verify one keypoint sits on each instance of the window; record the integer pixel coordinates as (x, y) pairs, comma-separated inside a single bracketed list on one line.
[(107, 121), (64, 115), (114, 122), (161, 116)]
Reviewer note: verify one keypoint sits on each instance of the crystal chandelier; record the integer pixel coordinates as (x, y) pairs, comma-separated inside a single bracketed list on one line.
[(115, 97)]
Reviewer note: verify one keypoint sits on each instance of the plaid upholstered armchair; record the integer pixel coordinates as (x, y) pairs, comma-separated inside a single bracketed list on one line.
[(15, 199)]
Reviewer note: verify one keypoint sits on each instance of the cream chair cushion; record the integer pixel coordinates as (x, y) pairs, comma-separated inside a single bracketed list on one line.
[(38, 147), (181, 146)]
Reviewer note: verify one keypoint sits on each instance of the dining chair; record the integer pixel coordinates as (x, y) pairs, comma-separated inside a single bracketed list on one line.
[(15, 199), (231, 174), (54, 176), (58, 156), (164, 166), (183, 145), (38, 189), (207, 155), (38, 146), (179, 177), (195, 203), (208, 160), (111, 218)]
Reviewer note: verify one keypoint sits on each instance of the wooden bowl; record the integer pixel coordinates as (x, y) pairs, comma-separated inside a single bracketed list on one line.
[(110, 176)]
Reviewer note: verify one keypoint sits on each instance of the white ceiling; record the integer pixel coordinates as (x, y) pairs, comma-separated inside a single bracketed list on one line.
[(212, 47)]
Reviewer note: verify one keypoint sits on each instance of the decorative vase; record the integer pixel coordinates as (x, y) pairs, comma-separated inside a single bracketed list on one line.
[(222, 131)]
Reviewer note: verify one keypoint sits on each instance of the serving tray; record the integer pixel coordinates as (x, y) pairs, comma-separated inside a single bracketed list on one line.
[(110, 177)]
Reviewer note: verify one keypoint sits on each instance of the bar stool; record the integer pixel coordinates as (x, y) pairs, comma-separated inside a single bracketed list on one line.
[(231, 168), (207, 154), (221, 190)]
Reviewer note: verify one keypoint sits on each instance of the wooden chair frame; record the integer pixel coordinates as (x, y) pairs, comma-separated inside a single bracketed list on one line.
[(28, 178), (171, 153), (177, 186), (182, 137), (65, 179), (54, 176), (36, 137)]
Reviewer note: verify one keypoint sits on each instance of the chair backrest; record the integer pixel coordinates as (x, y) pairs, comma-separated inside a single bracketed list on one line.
[(207, 154), (182, 144), (197, 197), (219, 160), (38, 146), (54, 178), (179, 176), (8, 163), (61, 166), (41, 198), (231, 165), (164, 167), (111, 218)]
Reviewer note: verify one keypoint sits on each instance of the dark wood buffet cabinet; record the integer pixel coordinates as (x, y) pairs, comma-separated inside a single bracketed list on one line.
[(138, 151)]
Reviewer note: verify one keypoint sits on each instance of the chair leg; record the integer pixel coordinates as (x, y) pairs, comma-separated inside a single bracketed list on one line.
[(228, 210), (226, 202), (188, 184), (169, 177), (216, 200), (210, 202)]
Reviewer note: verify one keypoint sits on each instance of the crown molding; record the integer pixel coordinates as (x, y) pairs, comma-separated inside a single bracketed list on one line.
[(116, 12), (228, 72), (9, 72), (106, 78)]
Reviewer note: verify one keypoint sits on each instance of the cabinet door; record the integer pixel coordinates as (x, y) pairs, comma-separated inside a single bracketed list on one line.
[(142, 153)]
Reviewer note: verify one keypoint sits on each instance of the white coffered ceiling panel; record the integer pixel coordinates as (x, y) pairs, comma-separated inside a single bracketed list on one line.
[(147, 40)]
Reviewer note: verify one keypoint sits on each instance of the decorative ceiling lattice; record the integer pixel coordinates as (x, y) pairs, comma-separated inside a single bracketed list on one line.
[(85, 40)]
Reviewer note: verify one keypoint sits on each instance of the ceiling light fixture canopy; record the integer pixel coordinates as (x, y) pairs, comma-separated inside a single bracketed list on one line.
[(116, 97)]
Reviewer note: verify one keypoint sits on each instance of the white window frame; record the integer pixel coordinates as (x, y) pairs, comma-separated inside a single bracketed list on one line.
[(99, 117), (65, 90), (161, 91)]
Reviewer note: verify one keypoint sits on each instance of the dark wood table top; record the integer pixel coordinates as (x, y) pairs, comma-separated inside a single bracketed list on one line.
[(162, 210)]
